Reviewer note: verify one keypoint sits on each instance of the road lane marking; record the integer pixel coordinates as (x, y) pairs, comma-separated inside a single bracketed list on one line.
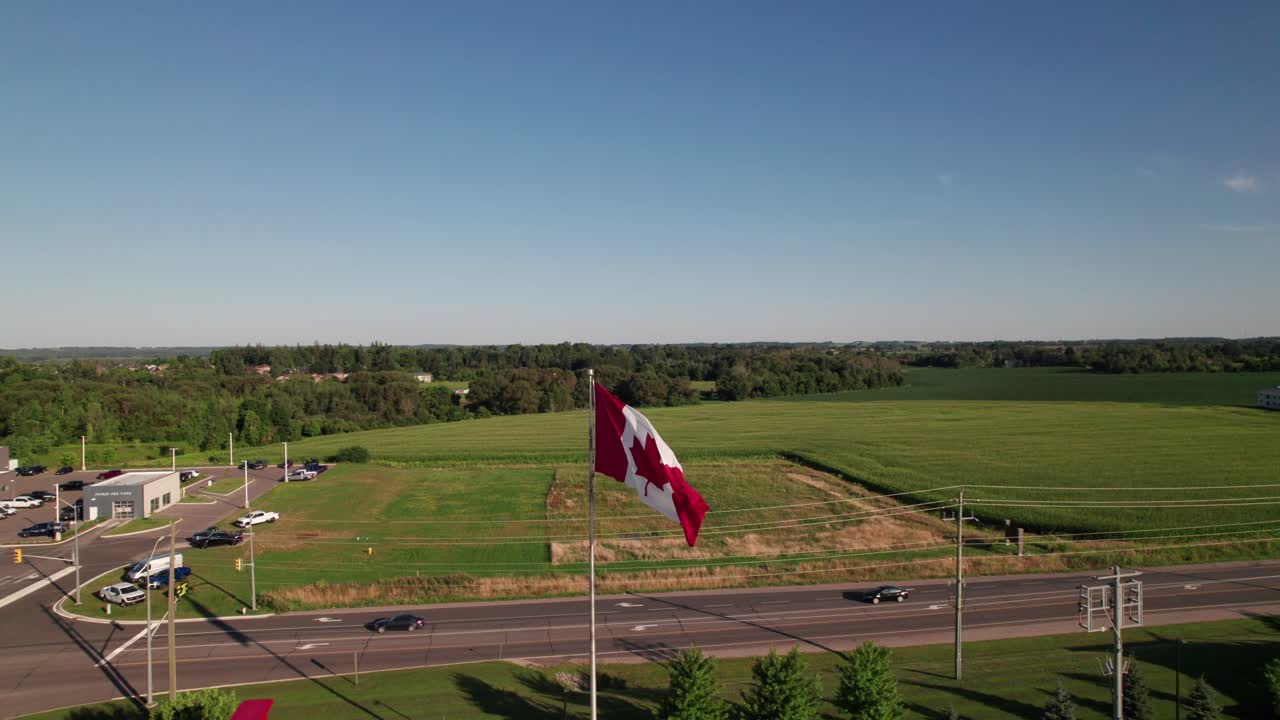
[(35, 586), (629, 605), (124, 646), (638, 628), (1190, 587), (772, 602), (309, 646), (936, 607), (327, 619)]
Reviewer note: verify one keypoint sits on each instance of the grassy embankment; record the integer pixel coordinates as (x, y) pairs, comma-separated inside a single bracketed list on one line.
[(1004, 680), (139, 524)]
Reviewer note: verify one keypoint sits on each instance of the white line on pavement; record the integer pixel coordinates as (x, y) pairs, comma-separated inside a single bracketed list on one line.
[(124, 646), (35, 586)]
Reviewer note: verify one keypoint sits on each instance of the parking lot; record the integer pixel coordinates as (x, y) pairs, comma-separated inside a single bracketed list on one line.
[(13, 485)]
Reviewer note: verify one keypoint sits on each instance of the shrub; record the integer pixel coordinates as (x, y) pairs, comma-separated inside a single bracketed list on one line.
[(353, 454), (210, 704)]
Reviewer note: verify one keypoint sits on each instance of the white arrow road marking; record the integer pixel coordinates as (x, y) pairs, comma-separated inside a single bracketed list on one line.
[(642, 627), (328, 619), (309, 646), (626, 604), (936, 607), (1190, 587)]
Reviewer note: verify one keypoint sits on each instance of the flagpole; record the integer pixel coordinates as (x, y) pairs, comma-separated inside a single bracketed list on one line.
[(591, 526)]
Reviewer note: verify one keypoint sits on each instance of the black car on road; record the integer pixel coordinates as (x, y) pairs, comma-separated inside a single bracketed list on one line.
[(68, 513), (41, 494), (399, 622), (220, 537), (885, 593), (72, 485), (258, 465), (44, 528), (64, 470), (31, 470)]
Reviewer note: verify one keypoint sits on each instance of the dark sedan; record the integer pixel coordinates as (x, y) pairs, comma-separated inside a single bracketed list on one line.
[(258, 465), (65, 470), (69, 514), (399, 622), (41, 495), (72, 485), (31, 470), (215, 539), (45, 528), (107, 475), (885, 593)]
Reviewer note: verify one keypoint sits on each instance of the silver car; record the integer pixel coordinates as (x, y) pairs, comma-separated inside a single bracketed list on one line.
[(123, 594)]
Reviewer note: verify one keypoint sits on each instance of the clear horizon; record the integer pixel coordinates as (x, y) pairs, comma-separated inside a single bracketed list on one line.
[(414, 174)]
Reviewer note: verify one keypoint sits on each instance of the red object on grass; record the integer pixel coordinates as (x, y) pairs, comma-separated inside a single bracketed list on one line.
[(253, 710)]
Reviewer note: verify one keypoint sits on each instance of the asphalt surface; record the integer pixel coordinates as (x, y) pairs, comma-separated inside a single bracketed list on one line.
[(49, 661)]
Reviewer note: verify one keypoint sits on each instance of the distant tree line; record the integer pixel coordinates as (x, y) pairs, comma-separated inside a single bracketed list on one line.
[(327, 389), (1112, 356)]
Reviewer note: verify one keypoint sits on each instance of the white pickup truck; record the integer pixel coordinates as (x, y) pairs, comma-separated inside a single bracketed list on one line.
[(303, 474), (255, 517)]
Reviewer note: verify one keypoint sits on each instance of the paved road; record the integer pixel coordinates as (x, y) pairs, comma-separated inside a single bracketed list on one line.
[(55, 662)]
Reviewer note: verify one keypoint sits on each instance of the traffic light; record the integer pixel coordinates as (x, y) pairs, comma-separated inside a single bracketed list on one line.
[(239, 564), (17, 555)]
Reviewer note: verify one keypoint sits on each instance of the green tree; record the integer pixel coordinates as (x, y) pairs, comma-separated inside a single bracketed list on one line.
[(1201, 704), (210, 704), (1137, 695), (353, 454), (694, 693), (66, 460), (1060, 706), (868, 690), (781, 689), (1271, 677)]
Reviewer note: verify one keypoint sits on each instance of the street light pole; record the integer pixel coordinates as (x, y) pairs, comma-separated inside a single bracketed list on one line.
[(58, 502), (286, 461), (83, 467), (231, 449), (173, 454), (253, 568), (151, 698)]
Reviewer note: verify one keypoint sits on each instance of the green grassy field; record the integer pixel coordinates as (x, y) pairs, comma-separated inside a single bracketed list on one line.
[(225, 486), (138, 525), (1004, 680)]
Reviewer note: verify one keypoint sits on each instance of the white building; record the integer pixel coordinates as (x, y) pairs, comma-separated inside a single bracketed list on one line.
[(1269, 398), (424, 377), (132, 495)]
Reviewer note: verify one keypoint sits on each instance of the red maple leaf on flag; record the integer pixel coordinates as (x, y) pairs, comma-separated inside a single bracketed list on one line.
[(649, 465)]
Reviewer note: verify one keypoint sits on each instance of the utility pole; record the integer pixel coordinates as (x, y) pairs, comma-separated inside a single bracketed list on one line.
[(231, 449), (173, 454), (959, 621), (1126, 609), (253, 564), (173, 613), (151, 631), (246, 485), (82, 465), (286, 461)]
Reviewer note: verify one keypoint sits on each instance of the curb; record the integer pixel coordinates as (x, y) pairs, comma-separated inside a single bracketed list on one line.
[(57, 608), (142, 532)]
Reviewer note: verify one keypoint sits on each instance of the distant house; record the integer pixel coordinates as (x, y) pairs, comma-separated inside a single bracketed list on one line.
[(1269, 398), (462, 391), (424, 377), (156, 369), (340, 377), (262, 369)]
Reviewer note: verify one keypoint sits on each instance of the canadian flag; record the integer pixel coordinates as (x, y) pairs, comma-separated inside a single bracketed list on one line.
[(630, 451)]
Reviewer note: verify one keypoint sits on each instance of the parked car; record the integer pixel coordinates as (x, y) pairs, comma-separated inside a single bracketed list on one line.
[(42, 495), (187, 475), (283, 465), (64, 470), (72, 485), (256, 517), (258, 465), (23, 501), (161, 578), (6, 511), (44, 528), (885, 593), (110, 474), (123, 594), (70, 514), (147, 567), (31, 470), (399, 622), (217, 538), (203, 533), (302, 474)]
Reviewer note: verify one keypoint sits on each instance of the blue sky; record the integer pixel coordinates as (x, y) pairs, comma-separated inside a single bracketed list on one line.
[(183, 173)]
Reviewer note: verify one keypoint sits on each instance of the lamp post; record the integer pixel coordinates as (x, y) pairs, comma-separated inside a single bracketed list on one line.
[(151, 698), (75, 539), (286, 461)]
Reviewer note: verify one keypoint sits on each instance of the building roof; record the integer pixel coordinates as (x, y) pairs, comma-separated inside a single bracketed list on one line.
[(133, 478)]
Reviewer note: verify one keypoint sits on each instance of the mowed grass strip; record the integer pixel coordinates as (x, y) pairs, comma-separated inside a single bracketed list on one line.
[(1004, 680)]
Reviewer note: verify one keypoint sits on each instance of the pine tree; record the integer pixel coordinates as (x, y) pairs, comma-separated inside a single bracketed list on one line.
[(1201, 704), (1060, 706), (694, 694), (1137, 696), (868, 690), (781, 689)]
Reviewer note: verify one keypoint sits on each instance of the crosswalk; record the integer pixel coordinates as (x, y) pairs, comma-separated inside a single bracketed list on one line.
[(18, 579)]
